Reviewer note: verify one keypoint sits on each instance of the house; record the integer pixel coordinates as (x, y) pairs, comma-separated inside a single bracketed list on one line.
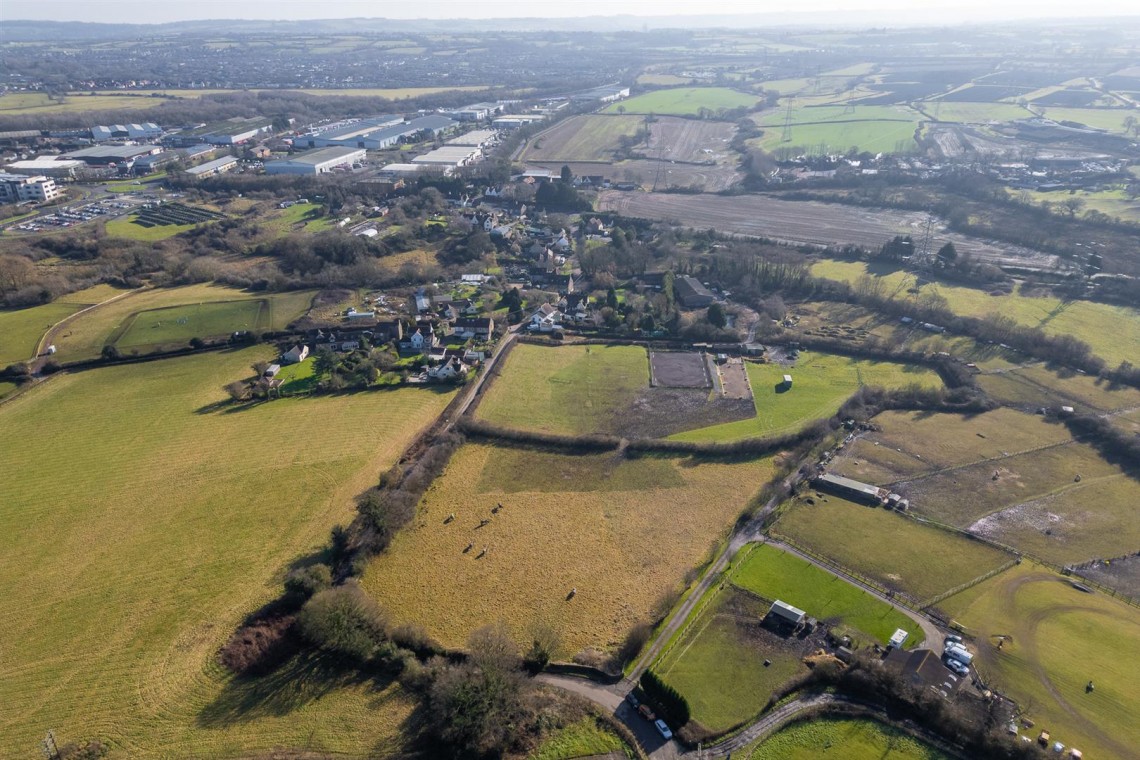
[(419, 342), (387, 331), (545, 319), (480, 328), (451, 370), (783, 616), (295, 355), (691, 293)]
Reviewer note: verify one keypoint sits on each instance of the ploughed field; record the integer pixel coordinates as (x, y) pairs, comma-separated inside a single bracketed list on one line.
[(806, 222), (142, 518)]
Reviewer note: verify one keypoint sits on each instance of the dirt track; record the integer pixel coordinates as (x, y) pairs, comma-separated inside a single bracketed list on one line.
[(808, 222)]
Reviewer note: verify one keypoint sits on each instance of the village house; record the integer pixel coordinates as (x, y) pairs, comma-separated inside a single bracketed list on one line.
[(419, 342), (451, 370), (545, 318), (295, 355), (480, 328)]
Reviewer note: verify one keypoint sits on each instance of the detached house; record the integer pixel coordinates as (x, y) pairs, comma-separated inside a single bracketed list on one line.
[(451, 370), (419, 342), (545, 318), (480, 328), (295, 355)]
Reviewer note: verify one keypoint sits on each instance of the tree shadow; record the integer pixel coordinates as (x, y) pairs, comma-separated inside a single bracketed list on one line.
[(302, 680)]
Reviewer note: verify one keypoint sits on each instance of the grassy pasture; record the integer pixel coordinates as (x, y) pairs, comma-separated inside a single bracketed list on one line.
[(1058, 639), (1039, 386), (130, 557), (621, 548), (570, 389), (775, 574), (21, 329), (586, 738), (1086, 520), (973, 113), (719, 664), (867, 128), (175, 325), (843, 739), (582, 138), (684, 101), (888, 548), (1112, 202), (1111, 119), (1110, 330), (85, 337), (821, 383)]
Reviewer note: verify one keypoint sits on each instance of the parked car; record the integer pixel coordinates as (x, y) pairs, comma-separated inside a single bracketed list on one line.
[(647, 713), (634, 702), (663, 729)]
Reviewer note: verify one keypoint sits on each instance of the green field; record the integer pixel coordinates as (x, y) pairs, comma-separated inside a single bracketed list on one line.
[(843, 739), (125, 227), (1110, 330), (570, 389), (894, 551), (685, 101), (719, 664), (305, 215), (85, 337), (1058, 639), (130, 557), (834, 129), (974, 113), (1113, 202), (21, 329), (775, 574), (1111, 119), (586, 738), (176, 325), (820, 384), (298, 378)]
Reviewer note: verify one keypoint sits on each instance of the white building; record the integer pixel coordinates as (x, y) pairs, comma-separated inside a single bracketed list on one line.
[(449, 155), (210, 168), (477, 138), (46, 167), (319, 161), (17, 188), (145, 131)]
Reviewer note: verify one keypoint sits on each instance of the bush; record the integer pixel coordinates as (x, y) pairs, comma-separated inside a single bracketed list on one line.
[(304, 582), (344, 621), (260, 646)]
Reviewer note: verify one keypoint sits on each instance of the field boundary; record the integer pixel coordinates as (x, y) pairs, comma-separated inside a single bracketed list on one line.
[(969, 584), (125, 326)]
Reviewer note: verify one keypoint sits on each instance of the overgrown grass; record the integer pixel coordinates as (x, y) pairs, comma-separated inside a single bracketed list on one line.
[(585, 738), (820, 384), (1057, 640), (125, 227), (570, 389), (775, 574), (134, 536), (1110, 330), (622, 548)]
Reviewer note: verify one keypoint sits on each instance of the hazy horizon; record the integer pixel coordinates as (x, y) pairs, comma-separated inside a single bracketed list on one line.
[(874, 11)]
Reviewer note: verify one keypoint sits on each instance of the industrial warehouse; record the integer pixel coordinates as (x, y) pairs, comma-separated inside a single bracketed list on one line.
[(319, 161)]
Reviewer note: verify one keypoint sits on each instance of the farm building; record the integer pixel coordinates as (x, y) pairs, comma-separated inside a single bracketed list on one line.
[(853, 490), (783, 615), (319, 161), (46, 167), (923, 669), (691, 293), (210, 168)]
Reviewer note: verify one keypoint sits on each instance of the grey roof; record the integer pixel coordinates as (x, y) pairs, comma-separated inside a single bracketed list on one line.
[(361, 129), (691, 286), (111, 151), (320, 155), (849, 484), (786, 611), (210, 166)]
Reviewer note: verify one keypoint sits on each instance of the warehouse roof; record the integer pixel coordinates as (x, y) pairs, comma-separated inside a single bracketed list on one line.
[(362, 128), (321, 155), (112, 151), (212, 166)]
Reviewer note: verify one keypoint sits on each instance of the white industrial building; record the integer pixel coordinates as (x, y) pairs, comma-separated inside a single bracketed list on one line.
[(606, 94), (477, 138), (146, 131), (17, 188), (210, 168), (48, 167), (319, 161), (516, 121), (361, 133), (412, 170), (449, 155)]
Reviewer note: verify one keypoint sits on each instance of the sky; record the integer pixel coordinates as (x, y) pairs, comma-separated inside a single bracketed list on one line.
[(158, 11)]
